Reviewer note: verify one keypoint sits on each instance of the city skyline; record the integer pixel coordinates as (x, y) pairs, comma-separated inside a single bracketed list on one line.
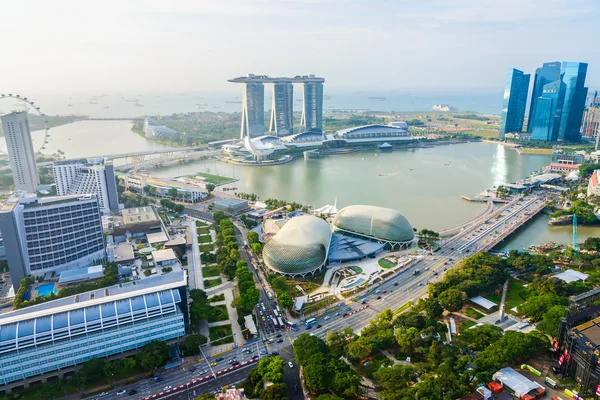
[(199, 42)]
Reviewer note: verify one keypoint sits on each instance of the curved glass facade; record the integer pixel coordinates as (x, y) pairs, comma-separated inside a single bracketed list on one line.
[(300, 247), (375, 222)]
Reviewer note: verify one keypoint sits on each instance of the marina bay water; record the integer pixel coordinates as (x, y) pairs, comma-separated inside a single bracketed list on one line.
[(425, 184)]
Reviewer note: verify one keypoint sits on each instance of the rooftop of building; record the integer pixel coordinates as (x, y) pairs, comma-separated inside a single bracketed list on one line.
[(157, 237), (31, 200), (120, 291), (230, 202), (80, 274), (564, 165), (589, 331), (124, 252), (139, 214), (251, 78), (355, 129), (164, 255)]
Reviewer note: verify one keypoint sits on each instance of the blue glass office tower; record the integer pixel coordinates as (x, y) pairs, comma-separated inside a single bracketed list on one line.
[(548, 73), (573, 76), (545, 121), (515, 100)]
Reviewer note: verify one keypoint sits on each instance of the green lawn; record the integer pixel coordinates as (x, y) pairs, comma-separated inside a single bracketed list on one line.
[(385, 264), (204, 239), (205, 248), (208, 283), (204, 230), (210, 272), (215, 179), (516, 295), (377, 363), (405, 306), (200, 224), (218, 313), (466, 325), (220, 335), (217, 297), (473, 313)]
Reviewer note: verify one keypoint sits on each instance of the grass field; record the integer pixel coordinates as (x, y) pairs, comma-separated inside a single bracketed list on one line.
[(204, 239), (203, 230), (405, 306), (536, 151), (208, 283), (466, 325), (210, 272), (217, 297), (515, 295), (215, 179), (220, 335), (218, 313), (205, 248), (473, 313)]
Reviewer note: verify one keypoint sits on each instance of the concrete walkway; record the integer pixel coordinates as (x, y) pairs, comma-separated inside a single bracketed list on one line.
[(194, 263)]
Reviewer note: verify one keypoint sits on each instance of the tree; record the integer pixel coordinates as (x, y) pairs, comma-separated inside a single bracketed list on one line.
[(452, 299), (536, 306), (408, 339), (210, 187), (482, 336), (192, 343), (173, 193), (178, 208), (433, 308), (316, 372), (328, 396), (93, 369), (279, 283), (153, 355), (306, 346), (592, 243), (257, 248), (78, 381), (276, 391), (359, 349), (395, 378), (271, 369), (253, 237), (551, 320), (285, 300), (338, 339)]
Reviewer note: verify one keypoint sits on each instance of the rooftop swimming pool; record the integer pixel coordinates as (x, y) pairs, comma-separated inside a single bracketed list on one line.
[(46, 289)]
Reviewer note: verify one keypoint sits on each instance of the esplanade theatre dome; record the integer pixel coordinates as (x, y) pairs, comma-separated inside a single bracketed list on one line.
[(300, 247), (375, 223)]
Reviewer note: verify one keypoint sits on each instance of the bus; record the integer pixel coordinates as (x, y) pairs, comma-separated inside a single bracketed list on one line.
[(310, 321), (276, 323), (281, 323), (276, 313)]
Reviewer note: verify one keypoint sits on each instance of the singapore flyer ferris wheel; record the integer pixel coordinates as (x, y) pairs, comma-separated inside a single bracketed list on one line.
[(30, 106)]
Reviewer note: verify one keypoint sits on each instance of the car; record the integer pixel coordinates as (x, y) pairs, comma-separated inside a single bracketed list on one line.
[(278, 335), (204, 372), (280, 341), (213, 364), (271, 340), (263, 318), (377, 291), (235, 363), (337, 313), (326, 318), (396, 284), (435, 273), (103, 394), (428, 282), (274, 353), (263, 352), (132, 392), (219, 359), (445, 269), (446, 263), (157, 378), (312, 334), (378, 297), (308, 328), (120, 392), (348, 308), (420, 283), (384, 291), (290, 364), (426, 268), (296, 388), (168, 387), (344, 315), (319, 326), (364, 302), (192, 369)]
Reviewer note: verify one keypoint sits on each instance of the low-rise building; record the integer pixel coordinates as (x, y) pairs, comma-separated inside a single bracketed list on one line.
[(157, 238), (232, 206), (121, 253), (136, 222), (593, 188), (164, 258), (165, 188), (561, 168), (40, 339)]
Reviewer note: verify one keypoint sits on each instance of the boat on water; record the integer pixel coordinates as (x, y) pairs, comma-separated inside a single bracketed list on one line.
[(93, 102), (564, 220), (70, 105), (377, 98), (388, 174), (410, 169), (544, 247)]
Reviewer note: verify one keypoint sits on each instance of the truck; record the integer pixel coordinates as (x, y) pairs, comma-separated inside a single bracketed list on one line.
[(520, 386)]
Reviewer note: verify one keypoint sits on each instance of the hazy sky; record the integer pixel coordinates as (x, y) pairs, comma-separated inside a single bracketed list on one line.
[(174, 46)]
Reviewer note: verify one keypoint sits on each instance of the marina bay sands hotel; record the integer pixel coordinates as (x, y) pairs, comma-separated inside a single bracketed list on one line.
[(282, 110)]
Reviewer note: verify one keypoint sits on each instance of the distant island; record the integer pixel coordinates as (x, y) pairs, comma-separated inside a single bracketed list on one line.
[(443, 107)]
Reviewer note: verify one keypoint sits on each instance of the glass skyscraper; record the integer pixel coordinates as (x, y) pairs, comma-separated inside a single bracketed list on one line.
[(545, 121), (573, 76), (549, 72), (515, 100), (312, 109), (253, 110), (282, 110)]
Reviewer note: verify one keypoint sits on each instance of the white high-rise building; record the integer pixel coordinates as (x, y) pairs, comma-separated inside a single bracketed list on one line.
[(20, 151), (49, 234), (89, 176)]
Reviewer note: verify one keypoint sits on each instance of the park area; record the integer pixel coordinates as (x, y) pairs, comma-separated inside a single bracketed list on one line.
[(515, 295), (220, 335), (218, 313), (210, 283), (210, 272), (215, 179)]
